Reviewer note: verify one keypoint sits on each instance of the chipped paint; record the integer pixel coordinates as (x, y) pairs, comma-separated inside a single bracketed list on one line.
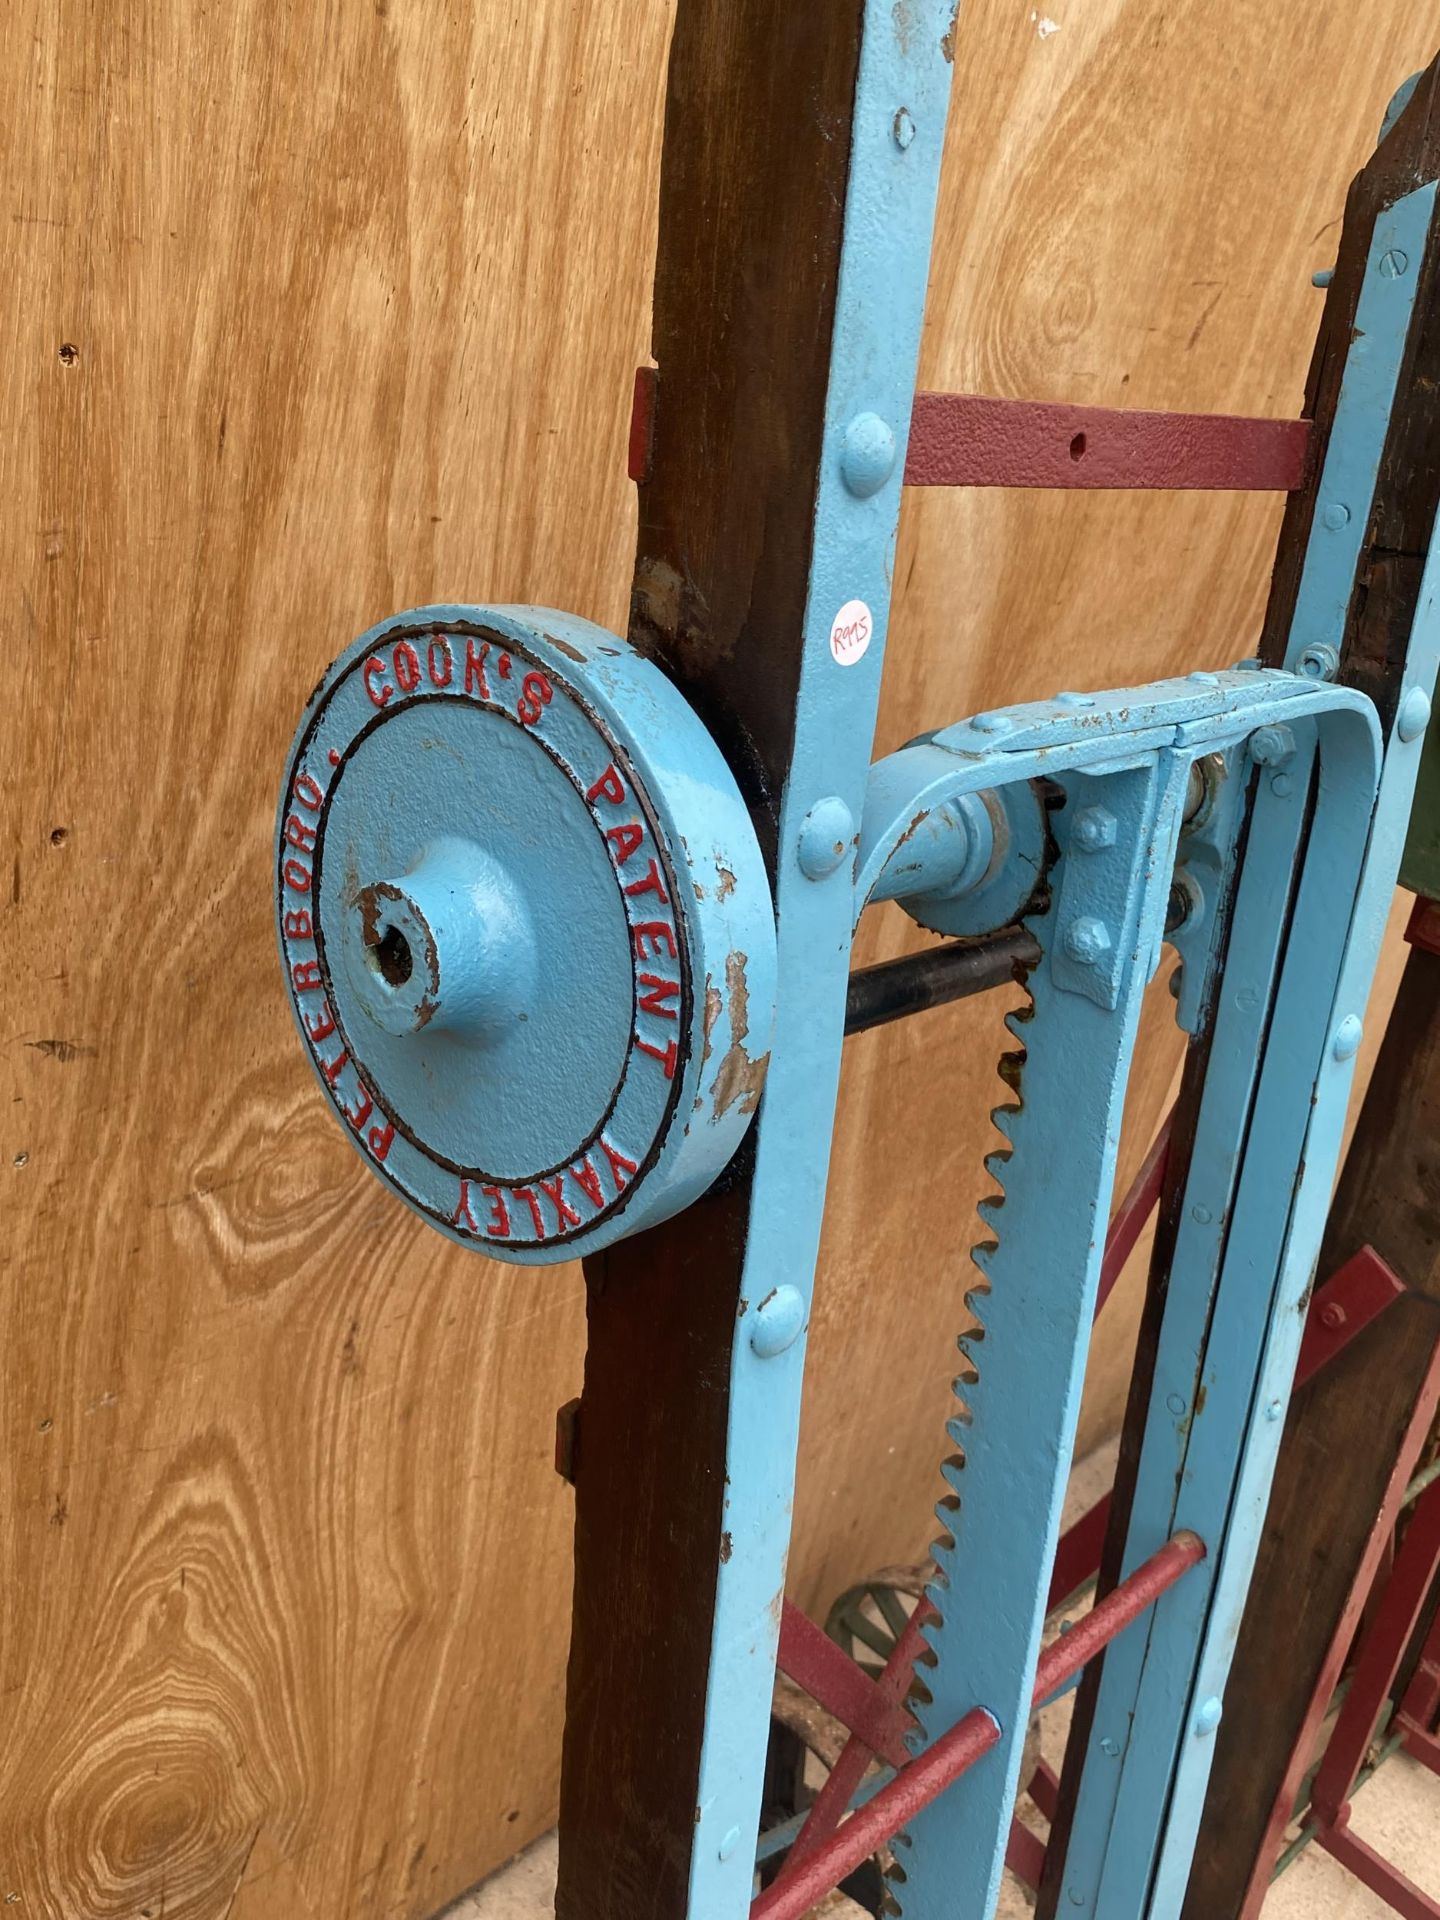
[(739, 1078)]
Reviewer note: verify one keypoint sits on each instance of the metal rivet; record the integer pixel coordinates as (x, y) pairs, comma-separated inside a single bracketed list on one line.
[(1348, 1036), (1176, 1403), (1319, 661), (868, 459), (729, 1843), (992, 723), (1414, 715), (1112, 1747), (1095, 827), (1394, 263), (1074, 699), (779, 1322), (904, 129), (1201, 1215), (1087, 940), (1208, 1717), (1282, 786), (1077, 1898), (1204, 679), (1323, 277), (1336, 516), (1274, 1410), (826, 834)]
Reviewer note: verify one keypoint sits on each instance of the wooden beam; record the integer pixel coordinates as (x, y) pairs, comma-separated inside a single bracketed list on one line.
[(752, 197)]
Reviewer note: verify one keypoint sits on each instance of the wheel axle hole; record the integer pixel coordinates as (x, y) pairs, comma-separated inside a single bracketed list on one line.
[(391, 957), (1077, 447)]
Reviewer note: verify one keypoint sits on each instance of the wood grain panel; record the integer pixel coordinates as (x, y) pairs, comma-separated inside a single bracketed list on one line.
[(350, 299), (354, 296)]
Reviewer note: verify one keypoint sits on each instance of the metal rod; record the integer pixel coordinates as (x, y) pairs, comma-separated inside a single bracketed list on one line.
[(930, 1773), (933, 978)]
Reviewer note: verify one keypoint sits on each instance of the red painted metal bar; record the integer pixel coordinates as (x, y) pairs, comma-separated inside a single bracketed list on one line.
[(1421, 1417), (1350, 1299), (1132, 1213), (1422, 1698), (1380, 1655), (942, 1763), (1423, 929), (1025, 1855), (1044, 1789), (974, 440), (1374, 1871), (845, 1776), (814, 1662), (1424, 1747), (978, 440), (1077, 1558)]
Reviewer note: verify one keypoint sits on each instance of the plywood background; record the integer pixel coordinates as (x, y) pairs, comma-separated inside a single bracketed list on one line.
[(309, 314)]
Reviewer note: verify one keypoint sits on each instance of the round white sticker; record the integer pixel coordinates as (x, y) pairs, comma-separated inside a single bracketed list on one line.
[(850, 632)]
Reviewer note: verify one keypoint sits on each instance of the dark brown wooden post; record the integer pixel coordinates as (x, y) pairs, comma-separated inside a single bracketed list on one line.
[(752, 197), (1341, 1440), (1320, 1510)]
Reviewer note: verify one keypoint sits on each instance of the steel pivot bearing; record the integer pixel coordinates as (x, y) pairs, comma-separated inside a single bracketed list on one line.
[(525, 926)]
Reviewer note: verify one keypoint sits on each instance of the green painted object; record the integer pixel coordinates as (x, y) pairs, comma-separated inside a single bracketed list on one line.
[(1420, 868)]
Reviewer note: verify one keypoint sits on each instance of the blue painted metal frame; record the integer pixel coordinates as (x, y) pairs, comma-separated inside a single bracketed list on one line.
[(899, 124), (1129, 753), (1257, 1192)]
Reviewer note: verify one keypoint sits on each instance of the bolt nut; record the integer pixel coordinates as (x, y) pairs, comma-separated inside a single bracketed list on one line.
[(1319, 662), (1272, 746), (1095, 827), (1087, 940)]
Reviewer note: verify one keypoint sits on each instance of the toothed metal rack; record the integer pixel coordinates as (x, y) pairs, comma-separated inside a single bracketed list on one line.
[(567, 916)]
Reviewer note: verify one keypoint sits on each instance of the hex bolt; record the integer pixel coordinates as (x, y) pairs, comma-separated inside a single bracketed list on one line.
[(1087, 940), (1333, 1316), (1095, 827), (1272, 746), (1319, 661)]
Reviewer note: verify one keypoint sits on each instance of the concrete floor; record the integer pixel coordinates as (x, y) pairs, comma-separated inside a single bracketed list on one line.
[(1398, 1812)]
